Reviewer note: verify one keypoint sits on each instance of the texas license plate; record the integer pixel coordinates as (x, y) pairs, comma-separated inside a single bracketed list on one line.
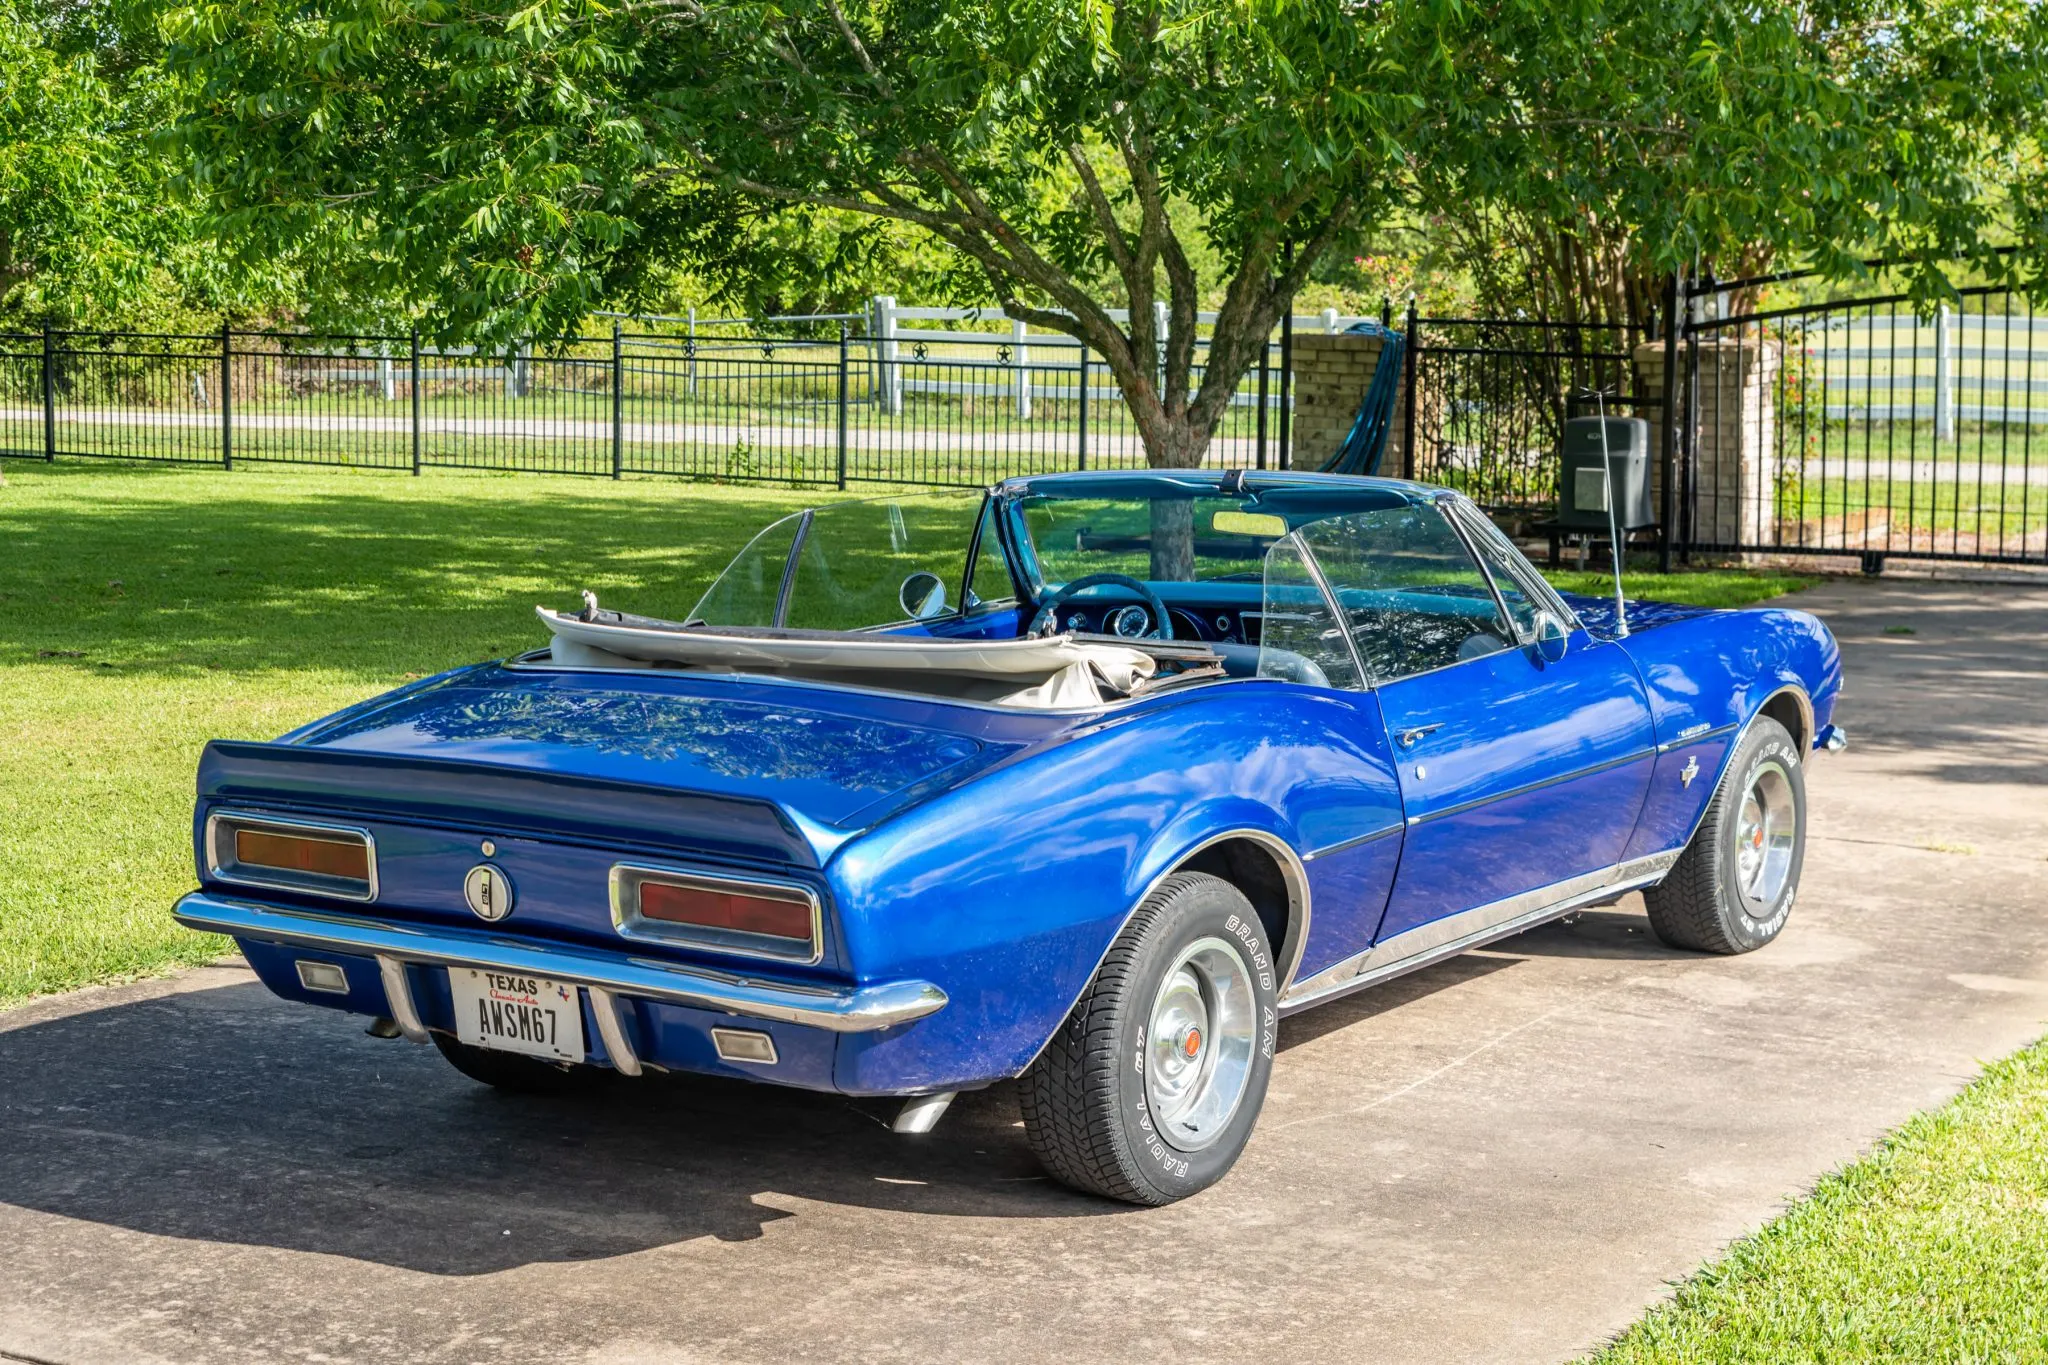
[(516, 1013)]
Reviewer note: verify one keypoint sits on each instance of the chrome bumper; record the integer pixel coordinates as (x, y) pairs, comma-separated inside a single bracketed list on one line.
[(857, 1009), (1833, 739)]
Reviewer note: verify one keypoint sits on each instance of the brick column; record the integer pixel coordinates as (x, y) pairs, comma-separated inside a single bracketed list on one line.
[(1735, 418), (1331, 375)]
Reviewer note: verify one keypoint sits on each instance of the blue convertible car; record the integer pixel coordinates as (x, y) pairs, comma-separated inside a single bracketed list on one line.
[(1085, 781)]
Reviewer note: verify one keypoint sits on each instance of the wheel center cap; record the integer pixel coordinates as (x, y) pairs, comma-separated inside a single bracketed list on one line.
[(1191, 1042)]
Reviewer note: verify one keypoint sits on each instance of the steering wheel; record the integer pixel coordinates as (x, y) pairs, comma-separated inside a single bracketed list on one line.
[(1042, 621)]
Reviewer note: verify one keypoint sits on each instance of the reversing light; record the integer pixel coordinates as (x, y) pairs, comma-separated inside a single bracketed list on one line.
[(743, 1045), (322, 976), (723, 914)]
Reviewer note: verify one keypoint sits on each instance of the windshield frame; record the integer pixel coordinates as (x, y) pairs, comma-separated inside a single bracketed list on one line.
[(1256, 495)]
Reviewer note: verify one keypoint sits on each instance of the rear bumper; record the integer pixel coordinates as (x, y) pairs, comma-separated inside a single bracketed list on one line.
[(856, 1009)]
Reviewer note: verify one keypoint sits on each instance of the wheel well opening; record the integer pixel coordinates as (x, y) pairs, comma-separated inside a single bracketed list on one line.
[(1785, 709), (1256, 871)]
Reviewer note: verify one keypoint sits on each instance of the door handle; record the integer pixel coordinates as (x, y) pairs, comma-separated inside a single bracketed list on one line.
[(1409, 738)]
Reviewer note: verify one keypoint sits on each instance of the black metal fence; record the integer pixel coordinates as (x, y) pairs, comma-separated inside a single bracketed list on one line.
[(969, 409), (1862, 427), (1867, 427), (1487, 400)]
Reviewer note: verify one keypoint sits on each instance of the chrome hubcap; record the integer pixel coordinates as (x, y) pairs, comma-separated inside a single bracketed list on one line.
[(1765, 831), (1198, 1046)]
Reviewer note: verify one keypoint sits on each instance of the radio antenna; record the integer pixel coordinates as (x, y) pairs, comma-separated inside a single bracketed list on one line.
[(1613, 519)]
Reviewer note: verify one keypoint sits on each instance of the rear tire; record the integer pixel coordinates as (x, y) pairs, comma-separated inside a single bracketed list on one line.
[(1732, 889), (510, 1071), (1150, 1088)]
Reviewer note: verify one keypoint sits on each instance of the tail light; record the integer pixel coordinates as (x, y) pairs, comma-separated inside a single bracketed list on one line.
[(720, 913), (292, 855)]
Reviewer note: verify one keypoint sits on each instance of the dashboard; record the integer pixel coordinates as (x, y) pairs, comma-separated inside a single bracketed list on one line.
[(1131, 620)]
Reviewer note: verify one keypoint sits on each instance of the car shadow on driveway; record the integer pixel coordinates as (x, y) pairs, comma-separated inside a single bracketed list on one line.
[(1602, 933), (223, 1115)]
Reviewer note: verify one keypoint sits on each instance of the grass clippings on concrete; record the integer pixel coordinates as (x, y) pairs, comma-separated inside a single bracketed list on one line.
[(1934, 1247)]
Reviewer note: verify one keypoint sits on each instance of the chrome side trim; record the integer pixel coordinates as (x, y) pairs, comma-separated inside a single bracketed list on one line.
[(1697, 737), (251, 820), (1431, 943), (627, 919), (1360, 841), (397, 990), (1589, 770), (605, 1006), (856, 1009)]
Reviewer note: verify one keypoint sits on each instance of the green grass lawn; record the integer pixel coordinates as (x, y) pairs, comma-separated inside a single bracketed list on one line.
[(148, 609), (1932, 1248), (1703, 587)]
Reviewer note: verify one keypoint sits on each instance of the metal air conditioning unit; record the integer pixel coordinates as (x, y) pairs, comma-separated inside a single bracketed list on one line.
[(1583, 484)]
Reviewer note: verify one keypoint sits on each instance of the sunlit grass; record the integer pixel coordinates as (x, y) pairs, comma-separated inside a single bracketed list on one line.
[(1932, 1247)]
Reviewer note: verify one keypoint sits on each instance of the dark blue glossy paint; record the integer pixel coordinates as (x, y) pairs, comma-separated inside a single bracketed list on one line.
[(1534, 776), (996, 853), (1018, 882)]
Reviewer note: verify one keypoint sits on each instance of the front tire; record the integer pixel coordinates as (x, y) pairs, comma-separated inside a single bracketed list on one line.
[(1149, 1090), (1732, 889)]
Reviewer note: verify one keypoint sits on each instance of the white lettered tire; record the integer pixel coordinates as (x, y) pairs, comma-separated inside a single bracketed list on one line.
[(1732, 890), (1151, 1087)]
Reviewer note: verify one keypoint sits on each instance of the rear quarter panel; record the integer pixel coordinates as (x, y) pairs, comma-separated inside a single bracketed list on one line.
[(1007, 891)]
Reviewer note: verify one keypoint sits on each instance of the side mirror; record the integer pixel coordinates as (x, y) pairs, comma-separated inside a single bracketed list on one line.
[(923, 596), (1550, 637)]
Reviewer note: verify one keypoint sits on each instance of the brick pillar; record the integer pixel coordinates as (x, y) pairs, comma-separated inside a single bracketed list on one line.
[(1735, 418), (1331, 375)]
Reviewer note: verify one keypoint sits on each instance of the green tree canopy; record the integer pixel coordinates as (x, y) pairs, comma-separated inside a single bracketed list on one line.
[(518, 161)]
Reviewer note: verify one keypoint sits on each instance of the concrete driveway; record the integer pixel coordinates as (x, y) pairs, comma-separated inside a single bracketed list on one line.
[(1503, 1158)]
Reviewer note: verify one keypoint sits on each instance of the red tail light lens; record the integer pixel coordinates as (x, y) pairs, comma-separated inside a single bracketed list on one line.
[(733, 915), (291, 855), (303, 853), (745, 914)]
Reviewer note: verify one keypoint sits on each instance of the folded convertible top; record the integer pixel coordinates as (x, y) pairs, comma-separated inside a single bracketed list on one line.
[(852, 651)]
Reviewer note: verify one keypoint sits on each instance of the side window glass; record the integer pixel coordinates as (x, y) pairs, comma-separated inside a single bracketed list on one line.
[(1505, 564), (1299, 640), (1413, 597), (988, 578), (1520, 585)]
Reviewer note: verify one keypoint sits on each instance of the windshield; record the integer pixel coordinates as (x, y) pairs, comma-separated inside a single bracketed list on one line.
[(1166, 533), (848, 565)]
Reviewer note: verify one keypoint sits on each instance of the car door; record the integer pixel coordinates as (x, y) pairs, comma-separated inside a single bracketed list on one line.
[(1522, 766)]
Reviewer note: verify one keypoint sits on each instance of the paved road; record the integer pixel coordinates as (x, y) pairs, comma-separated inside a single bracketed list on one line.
[(1503, 1158)]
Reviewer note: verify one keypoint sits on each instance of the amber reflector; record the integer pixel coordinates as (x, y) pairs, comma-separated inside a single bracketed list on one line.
[(303, 853), (676, 904)]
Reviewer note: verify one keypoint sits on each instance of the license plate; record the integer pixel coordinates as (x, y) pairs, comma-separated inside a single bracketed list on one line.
[(516, 1013)]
